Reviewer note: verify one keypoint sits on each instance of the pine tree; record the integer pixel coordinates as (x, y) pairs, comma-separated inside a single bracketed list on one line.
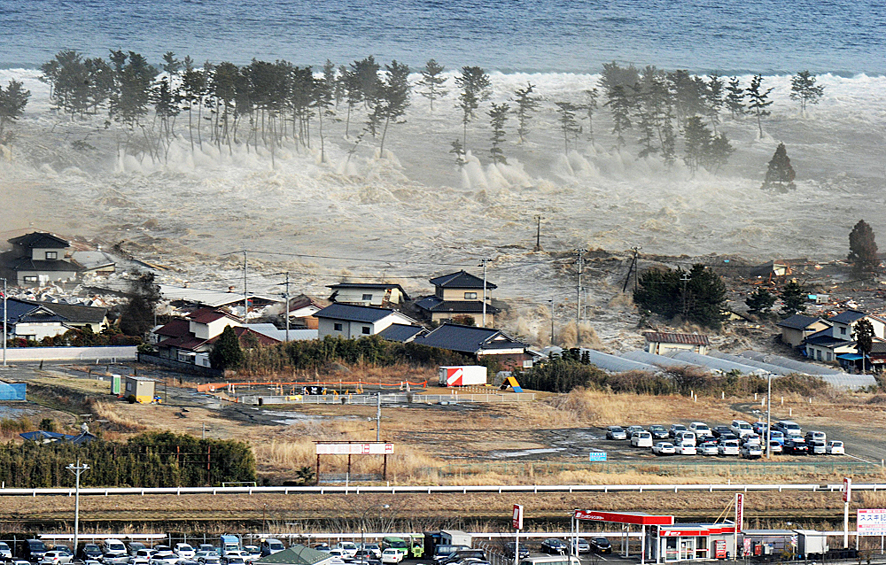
[(568, 124), (760, 302), (780, 175), (432, 81), (459, 151), (137, 315), (324, 93), (759, 100), (793, 297), (864, 340), (394, 96), (498, 116), (714, 99), (226, 352), (804, 89), (12, 104), (526, 104), (735, 95), (863, 249), (590, 107), (620, 104), (475, 88), (697, 142)]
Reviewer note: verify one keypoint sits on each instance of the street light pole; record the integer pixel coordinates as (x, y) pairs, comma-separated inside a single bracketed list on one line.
[(5, 321), (77, 470), (363, 529)]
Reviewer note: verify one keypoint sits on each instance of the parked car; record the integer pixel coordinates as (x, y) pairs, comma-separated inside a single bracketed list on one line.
[(632, 430), (554, 545), (392, 556), (229, 559), (813, 435), (751, 451), (139, 561), (759, 428), (616, 432), (752, 439), (775, 447), (685, 437), (720, 430), (90, 551), (458, 556), (658, 432), (835, 448), (271, 546), (349, 547), (728, 447), (34, 550), (164, 558), (340, 553), (372, 548), (133, 547), (741, 428), (777, 435), (817, 448), (209, 547), (789, 428), (664, 448), (796, 446), (5, 552), (365, 558), (184, 550), (324, 547), (579, 545), (708, 448), (641, 439), (728, 436), (701, 430), (55, 557), (686, 449), (444, 551), (601, 545), (510, 547), (672, 431)]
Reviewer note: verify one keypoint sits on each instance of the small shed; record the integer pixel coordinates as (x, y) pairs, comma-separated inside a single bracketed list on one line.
[(661, 343), (140, 387)]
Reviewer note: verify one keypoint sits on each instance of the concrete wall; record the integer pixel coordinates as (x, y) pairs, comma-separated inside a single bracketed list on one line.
[(85, 354)]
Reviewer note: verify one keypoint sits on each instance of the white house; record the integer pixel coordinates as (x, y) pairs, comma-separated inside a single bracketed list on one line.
[(350, 321), (381, 295)]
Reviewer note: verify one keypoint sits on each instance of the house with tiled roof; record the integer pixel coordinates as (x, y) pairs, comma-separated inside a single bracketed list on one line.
[(350, 321), (381, 295), (836, 344), (458, 296), (402, 333), (478, 343), (190, 340), (32, 320), (662, 343), (39, 258), (795, 329)]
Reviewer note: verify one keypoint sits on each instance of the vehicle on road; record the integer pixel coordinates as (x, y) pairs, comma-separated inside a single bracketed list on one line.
[(835, 448), (728, 447), (658, 432), (741, 428), (392, 555), (664, 448), (554, 545), (601, 545), (751, 451), (641, 439), (579, 545), (685, 449), (813, 435), (796, 446), (817, 448), (708, 448), (510, 547), (672, 431), (701, 430), (616, 432)]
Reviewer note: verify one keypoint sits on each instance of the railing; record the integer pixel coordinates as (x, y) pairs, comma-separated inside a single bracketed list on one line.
[(415, 489), (405, 398)]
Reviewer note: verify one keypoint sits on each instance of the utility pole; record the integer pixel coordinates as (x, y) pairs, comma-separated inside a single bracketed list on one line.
[(5, 321), (378, 417), (77, 470), (636, 249), (245, 296), (552, 320), (538, 220), (286, 313), (483, 263), (581, 265), (685, 279)]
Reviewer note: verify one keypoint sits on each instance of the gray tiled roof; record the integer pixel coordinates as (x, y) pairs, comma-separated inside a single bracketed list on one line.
[(468, 339), (400, 332), (40, 240), (351, 313), (798, 322), (434, 304), (296, 554), (848, 317), (461, 279)]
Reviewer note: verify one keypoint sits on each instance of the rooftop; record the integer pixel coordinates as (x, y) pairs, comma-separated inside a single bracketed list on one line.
[(353, 313), (848, 317), (469, 339), (686, 339), (44, 240), (461, 279), (798, 322)]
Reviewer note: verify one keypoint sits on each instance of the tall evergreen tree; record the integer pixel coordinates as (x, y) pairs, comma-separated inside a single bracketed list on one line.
[(526, 105), (804, 89), (759, 100), (760, 302), (590, 108), (864, 340), (432, 81), (793, 297), (226, 352), (780, 175), (568, 123), (697, 143), (13, 100), (698, 295), (620, 105), (137, 315), (714, 99), (498, 116), (394, 97), (475, 88), (863, 249), (459, 151), (324, 96), (735, 96)]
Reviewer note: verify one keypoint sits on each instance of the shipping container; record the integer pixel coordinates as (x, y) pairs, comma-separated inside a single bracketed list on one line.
[(464, 375)]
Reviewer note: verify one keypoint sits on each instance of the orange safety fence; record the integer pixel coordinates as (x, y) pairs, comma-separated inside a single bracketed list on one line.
[(211, 387)]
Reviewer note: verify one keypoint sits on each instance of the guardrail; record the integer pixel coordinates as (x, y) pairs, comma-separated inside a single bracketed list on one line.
[(414, 489), (405, 398)]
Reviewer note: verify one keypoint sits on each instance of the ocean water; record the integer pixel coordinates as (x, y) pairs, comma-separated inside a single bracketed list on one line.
[(572, 36)]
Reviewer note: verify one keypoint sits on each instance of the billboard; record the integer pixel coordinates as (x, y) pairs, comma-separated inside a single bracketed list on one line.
[(517, 520), (597, 456), (870, 522), (355, 448)]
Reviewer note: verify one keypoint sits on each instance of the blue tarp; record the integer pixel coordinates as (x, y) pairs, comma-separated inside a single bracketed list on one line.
[(850, 357), (13, 391)]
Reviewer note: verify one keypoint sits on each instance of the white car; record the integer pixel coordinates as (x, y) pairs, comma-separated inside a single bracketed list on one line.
[(664, 448), (164, 558), (708, 448), (641, 439), (835, 448), (349, 547), (391, 555), (5, 552), (340, 554), (741, 428), (701, 430), (253, 552), (686, 449), (775, 447), (751, 451), (56, 558), (685, 437), (729, 447), (184, 551)]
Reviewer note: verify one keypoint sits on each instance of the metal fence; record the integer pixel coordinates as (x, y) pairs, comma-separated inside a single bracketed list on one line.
[(405, 398)]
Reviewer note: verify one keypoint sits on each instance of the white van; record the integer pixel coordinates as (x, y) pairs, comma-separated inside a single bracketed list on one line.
[(641, 439), (551, 560), (686, 438), (741, 428)]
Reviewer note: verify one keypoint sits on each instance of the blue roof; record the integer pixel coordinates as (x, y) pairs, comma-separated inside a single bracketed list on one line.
[(351, 313), (848, 317)]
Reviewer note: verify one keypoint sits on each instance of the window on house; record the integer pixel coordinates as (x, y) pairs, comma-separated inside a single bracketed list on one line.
[(366, 330), (337, 327), (842, 331), (470, 296), (818, 354), (50, 255), (30, 279), (828, 356), (367, 297)]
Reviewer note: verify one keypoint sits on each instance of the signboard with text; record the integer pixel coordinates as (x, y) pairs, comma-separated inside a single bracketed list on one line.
[(870, 522), (355, 448), (517, 519), (847, 489), (739, 511), (597, 456)]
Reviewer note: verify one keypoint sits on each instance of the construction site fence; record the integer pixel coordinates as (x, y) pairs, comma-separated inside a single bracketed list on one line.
[(212, 387), (665, 468), (405, 398)]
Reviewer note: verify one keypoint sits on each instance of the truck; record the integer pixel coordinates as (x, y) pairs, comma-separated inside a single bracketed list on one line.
[(462, 375), (455, 537), (229, 542)]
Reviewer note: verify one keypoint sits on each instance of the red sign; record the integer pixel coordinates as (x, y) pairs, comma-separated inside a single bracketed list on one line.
[(739, 511), (517, 519), (847, 489), (624, 518), (686, 532)]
